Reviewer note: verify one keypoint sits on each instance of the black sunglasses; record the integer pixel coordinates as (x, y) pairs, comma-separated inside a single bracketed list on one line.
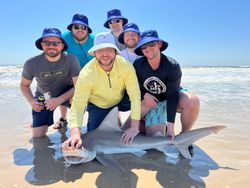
[(53, 43), (115, 21), (78, 27)]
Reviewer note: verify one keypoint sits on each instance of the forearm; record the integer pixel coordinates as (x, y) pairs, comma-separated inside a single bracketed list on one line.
[(66, 96), (76, 132), (26, 91), (135, 124)]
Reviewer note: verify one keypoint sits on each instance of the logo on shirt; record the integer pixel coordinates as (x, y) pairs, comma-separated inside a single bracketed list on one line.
[(155, 85), (47, 75)]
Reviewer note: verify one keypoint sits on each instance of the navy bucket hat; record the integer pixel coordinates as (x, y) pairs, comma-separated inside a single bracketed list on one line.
[(129, 27), (81, 20), (114, 14), (147, 37), (50, 32)]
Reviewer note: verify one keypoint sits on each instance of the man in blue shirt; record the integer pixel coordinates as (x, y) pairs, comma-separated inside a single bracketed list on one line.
[(79, 39)]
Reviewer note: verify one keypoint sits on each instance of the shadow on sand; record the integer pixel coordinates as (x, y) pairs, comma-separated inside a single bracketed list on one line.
[(49, 166)]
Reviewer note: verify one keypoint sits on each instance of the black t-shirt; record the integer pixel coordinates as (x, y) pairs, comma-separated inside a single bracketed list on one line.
[(163, 83)]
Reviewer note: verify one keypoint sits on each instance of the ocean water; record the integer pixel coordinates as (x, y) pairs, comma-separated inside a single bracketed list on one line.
[(224, 92)]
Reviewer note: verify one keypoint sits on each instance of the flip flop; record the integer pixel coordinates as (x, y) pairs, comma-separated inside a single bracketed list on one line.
[(78, 156), (60, 123)]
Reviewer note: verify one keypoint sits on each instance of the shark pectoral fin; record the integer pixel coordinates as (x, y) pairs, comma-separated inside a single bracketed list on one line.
[(184, 152), (108, 161)]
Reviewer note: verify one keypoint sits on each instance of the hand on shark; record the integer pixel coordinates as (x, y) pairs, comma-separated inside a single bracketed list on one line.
[(170, 130), (75, 141), (129, 134)]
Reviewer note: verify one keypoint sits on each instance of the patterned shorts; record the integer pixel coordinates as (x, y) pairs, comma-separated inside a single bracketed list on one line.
[(157, 115)]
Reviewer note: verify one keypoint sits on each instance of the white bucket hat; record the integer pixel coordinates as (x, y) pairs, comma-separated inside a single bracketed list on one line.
[(103, 40)]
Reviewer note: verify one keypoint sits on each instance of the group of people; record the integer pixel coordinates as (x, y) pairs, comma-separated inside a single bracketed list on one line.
[(124, 68)]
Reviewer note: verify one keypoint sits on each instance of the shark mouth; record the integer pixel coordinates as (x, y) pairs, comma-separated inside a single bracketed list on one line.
[(78, 156)]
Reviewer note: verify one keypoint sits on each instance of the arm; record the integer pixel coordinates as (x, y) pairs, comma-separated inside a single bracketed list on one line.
[(173, 96), (26, 91), (133, 91), (80, 98)]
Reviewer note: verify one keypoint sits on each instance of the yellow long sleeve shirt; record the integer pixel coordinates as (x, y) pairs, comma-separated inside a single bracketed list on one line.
[(105, 89)]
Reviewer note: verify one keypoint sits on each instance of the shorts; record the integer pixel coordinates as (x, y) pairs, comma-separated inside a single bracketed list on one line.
[(158, 115), (45, 117), (97, 114)]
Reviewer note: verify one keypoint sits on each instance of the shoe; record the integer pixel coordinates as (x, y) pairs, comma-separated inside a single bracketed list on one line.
[(191, 150), (61, 125)]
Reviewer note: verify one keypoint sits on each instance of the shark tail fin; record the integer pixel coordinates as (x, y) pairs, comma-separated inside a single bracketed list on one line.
[(186, 139)]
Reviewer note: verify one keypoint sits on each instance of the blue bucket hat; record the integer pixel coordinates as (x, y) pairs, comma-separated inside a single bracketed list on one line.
[(50, 32), (147, 37), (114, 14), (81, 20), (129, 27)]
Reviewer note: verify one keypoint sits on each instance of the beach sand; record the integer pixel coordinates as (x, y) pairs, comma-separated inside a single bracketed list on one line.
[(219, 161)]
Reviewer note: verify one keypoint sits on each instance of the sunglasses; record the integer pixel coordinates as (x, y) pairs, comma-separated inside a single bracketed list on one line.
[(78, 27), (115, 21), (151, 44), (53, 43)]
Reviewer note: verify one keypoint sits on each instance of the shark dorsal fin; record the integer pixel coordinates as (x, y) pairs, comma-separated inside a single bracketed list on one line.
[(110, 122)]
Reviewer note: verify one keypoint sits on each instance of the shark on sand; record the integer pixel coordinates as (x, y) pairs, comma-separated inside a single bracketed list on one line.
[(105, 140)]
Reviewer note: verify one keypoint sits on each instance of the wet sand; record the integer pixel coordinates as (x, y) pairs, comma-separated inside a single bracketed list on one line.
[(221, 160)]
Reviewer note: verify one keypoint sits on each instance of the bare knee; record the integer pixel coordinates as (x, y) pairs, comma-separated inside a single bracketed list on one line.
[(190, 101)]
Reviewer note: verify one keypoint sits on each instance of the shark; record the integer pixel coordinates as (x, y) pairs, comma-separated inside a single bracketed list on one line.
[(106, 140)]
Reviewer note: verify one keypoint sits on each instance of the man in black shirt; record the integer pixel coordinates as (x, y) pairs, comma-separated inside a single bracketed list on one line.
[(159, 77)]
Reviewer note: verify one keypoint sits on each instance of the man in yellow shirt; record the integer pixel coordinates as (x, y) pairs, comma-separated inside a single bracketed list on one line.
[(106, 81)]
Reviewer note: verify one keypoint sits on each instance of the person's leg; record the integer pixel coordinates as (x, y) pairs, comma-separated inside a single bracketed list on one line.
[(188, 107), (41, 121), (96, 116), (39, 131), (155, 120), (144, 110)]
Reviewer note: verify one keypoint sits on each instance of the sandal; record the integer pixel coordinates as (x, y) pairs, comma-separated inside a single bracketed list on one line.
[(61, 123)]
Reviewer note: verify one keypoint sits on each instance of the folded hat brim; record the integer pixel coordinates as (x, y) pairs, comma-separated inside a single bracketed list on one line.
[(101, 46), (106, 24), (148, 40)]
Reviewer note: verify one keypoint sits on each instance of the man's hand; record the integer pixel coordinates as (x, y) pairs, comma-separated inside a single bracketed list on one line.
[(52, 103), (151, 101), (128, 135), (37, 106), (170, 130), (75, 141)]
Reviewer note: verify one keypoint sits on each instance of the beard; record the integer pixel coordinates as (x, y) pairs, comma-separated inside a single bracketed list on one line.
[(80, 37), (52, 53), (130, 44), (105, 63)]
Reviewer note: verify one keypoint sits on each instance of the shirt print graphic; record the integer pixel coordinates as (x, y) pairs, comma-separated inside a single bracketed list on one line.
[(57, 73), (155, 85)]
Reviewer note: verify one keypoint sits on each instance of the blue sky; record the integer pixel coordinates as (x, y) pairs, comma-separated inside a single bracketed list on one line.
[(199, 32)]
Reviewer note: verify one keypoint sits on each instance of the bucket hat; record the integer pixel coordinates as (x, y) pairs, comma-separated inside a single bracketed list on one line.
[(103, 40), (114, 14), (147, 37), (50, 32), (129, 27), (81, 20)]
